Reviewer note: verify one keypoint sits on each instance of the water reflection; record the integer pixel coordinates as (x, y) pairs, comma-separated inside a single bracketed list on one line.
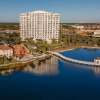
[(96, 70), (6, 72), (47, 67)]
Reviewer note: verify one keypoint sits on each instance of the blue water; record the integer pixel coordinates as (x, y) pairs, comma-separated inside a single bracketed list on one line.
[(52, 80), (83, 54)]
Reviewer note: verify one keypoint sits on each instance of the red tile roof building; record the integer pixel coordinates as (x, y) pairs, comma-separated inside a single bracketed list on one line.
[(20, 50)]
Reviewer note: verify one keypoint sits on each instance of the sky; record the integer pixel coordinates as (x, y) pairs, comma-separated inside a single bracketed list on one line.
[(71, 11)]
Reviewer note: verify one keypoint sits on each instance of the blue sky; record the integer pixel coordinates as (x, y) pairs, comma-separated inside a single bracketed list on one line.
[(70, 10)]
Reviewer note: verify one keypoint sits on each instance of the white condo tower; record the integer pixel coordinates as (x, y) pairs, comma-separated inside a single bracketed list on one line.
[(40, 25)]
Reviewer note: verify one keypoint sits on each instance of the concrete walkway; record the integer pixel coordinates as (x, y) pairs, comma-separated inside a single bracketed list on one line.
[(74, 60), (26, 59)]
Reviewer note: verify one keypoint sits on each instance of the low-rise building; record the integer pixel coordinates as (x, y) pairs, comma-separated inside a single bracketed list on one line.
[(97, 33), (6, 51), (81, 27), (91, 26), (20, 51)]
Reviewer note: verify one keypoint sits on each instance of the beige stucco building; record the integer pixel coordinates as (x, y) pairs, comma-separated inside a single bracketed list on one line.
[(6, 51)]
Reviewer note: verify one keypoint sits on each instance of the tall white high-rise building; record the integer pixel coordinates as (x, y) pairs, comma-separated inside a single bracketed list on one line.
[(40, 25)]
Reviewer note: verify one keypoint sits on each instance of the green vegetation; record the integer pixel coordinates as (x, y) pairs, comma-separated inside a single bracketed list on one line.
[(78, 40), (10, 38), (72, 40), (9, 26), (70, 37), (5, 60), (36, 46)]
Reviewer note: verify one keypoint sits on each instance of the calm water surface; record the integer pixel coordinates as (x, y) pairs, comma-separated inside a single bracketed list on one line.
[(83, 54), (54, 80)]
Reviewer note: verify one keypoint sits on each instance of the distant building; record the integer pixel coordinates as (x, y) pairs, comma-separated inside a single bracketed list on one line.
[(91, 26), (40, 25), (97, 33), (6, 51), (81, 27), (87, 26)]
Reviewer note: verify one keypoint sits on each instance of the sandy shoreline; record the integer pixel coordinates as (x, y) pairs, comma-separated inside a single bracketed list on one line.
[(71, 48)]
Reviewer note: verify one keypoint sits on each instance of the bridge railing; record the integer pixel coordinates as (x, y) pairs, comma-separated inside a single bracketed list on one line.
[(74, 60)]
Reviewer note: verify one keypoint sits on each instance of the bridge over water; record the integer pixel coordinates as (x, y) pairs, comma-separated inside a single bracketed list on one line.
[(74, 60)]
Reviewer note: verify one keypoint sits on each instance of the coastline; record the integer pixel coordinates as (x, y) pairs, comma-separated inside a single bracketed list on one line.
[(19, 64), (73, 47), (65, 58), (63, 49), (22, 63), (75, 60)]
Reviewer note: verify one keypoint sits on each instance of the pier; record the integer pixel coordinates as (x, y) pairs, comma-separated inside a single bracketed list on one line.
[(74, 60)]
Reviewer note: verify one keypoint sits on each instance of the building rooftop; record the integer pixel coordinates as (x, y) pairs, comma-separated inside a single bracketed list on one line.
[(40, 11), (4, 47)]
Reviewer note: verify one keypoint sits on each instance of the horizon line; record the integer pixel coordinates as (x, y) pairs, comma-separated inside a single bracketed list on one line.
[(62, 22)]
